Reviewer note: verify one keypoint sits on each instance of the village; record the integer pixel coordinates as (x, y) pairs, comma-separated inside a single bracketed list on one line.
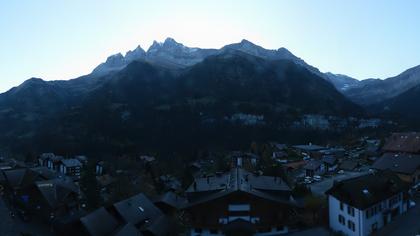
[(271, 189)]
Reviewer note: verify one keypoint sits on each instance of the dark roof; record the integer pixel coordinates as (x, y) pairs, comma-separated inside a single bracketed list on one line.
[(403, 142), (349, 164), (55, 192), (26, 176), (137, 209), (71, 162), (44, 172), (401, 163), (309, 148), (160, 226), (367, 190), (45, 156), (330, 160), (279, 146), (99, 223), (128, 230), (171, 199), (312, 165), (238, 180)]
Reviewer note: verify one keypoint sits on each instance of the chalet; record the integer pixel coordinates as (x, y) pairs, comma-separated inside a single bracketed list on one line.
[(362, 205), (142, 213), (330, 163), (406, 166), (136, 215), (239, 202), (44, 157), (20, 182), (39, 192), (403, 143), (314, 167), (71, 167), (54, 198)]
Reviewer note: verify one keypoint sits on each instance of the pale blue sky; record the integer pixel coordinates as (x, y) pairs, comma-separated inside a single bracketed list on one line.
[(65, 39)]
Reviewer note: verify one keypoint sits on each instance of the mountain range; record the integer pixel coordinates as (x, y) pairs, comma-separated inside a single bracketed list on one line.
[(175, 96)]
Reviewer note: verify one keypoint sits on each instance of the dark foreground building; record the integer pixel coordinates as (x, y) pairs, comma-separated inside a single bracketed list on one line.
[(239, 203)]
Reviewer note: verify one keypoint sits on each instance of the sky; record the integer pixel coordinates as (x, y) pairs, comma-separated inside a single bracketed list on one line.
[(56, 40)]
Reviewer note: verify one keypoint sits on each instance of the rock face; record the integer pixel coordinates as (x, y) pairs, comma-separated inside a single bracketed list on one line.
[(169, 54)]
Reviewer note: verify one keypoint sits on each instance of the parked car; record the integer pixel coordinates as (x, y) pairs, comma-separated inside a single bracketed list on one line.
[(317, 178), (341, 172)]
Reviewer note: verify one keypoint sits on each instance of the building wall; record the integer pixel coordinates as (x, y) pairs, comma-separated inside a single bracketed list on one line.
[(271, 217), (363, 225), (334, 212)]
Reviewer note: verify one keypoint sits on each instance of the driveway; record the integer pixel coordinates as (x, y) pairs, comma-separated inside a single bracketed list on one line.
[(319, 188), (405, 224)]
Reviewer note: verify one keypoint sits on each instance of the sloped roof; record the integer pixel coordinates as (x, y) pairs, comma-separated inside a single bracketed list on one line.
[(237, 180), (348, 164), (99, 223), (128, 230), (401, 163), (310, 147), (312, 165), (331, 160), (171, 199), (56, 191), (71, 162), (367, 190), (403, 142), (137, 209), (160, 226)]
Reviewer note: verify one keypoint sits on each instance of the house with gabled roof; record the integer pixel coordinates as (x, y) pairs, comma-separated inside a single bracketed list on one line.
[(239, 200), (362, 205), (406, 166)]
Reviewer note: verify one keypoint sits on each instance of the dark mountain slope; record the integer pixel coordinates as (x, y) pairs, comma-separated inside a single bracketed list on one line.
[(146, 107), (405, 105), (371, 91)]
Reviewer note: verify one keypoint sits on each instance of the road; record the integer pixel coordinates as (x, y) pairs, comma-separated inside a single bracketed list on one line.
[(406, 224), (319, 188), (15, 227)]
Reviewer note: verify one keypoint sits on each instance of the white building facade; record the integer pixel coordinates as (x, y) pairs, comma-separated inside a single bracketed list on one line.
[(359, 222)]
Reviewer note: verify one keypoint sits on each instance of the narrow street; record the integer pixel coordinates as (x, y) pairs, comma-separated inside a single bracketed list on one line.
[(406, 224)]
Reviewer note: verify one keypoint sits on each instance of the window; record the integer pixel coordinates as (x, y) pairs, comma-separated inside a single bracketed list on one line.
[(351, 225), (198, 230), (214, 231), (239, 207), (350, 210), (341, 219), (341, 206)]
